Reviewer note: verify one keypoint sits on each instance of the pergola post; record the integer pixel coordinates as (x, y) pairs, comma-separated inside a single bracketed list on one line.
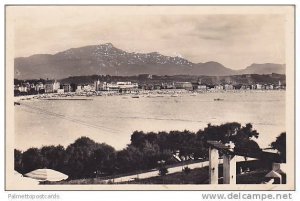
[(213, 165), (229, 169)]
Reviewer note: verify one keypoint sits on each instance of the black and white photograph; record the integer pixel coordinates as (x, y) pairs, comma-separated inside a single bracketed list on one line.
[(149, 97)]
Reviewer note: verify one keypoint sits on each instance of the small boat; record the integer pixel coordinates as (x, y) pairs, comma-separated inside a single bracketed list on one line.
[(135, 96), (218, 99), (17, 103)]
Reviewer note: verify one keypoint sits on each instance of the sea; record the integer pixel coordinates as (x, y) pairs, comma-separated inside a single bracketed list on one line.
[(112, 119)]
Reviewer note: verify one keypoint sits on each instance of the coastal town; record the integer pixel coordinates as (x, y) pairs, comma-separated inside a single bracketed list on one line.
[(35, 87), (150, 97)]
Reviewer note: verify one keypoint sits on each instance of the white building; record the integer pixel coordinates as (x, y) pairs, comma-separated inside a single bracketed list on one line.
[(97, 85), (23, 88), (79, 89), (39, 86), (228, 87), (123, 87), (126, 87), (88, 87), (60, 91), (258, 86), (51, 86), (202, 87), (219, 87)]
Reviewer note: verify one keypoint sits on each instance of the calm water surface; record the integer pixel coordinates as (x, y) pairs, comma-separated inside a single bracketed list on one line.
[(112, 119)]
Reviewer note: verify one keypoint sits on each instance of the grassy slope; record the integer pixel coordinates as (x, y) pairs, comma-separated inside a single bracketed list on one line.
[(196, 176), (200, 176)]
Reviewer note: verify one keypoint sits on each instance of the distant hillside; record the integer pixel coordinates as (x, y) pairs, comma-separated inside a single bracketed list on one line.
[(264, 69), (106, 59), (208, 80)]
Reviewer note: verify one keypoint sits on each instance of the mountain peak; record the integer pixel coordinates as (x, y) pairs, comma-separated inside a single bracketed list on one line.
[(154, 53), (213, 62), (107, 59), (264, 68), (109, 45)]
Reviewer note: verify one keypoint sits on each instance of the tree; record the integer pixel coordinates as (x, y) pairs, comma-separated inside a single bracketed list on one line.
[(54, 157), (103, 159), (151, 154), (242, 137), (247, 132), (162, 140), (201, 150), (223, 132), (280, 145), (151, 137), (18, 165), (189, 144), (244, 142), (32, 159), (174, 140), (129, 159), (138, 138), (248, 148), (78, 158)]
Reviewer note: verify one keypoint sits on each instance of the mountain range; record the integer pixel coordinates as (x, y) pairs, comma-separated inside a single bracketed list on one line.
[(105, 59)]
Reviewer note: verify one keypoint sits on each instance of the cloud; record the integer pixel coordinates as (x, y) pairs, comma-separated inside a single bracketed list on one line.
[(235, 40)]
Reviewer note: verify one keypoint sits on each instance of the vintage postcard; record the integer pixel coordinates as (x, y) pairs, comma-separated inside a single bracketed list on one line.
[(150, 97)]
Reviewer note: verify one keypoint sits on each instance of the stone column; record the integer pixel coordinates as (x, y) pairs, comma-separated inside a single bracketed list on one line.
[(213, 165)]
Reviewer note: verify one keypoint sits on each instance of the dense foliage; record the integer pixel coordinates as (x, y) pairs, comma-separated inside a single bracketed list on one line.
[(280, 145), (86, 158)]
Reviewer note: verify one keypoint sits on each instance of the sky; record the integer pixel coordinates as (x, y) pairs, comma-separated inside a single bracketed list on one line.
[(236, 38)]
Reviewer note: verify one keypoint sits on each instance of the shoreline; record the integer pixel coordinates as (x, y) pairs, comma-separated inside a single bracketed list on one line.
[(142, 93)]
